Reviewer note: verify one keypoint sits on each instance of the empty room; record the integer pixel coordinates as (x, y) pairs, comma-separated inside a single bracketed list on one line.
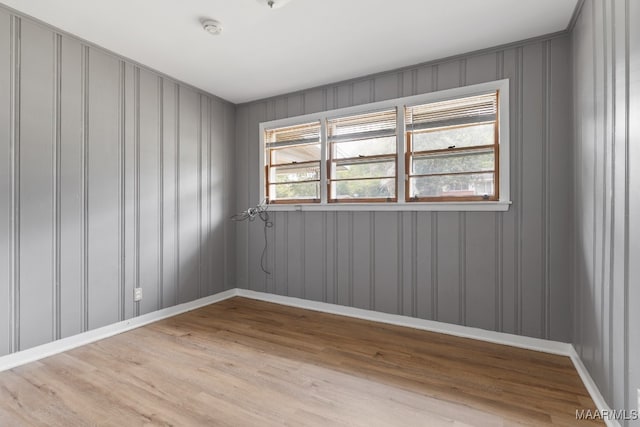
[(319, 213)]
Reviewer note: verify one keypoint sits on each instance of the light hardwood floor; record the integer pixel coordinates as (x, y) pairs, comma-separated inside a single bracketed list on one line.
[(244, 362)]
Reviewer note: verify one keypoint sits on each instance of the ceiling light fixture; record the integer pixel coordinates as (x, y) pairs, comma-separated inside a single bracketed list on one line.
[(274, 4), (212, 26)]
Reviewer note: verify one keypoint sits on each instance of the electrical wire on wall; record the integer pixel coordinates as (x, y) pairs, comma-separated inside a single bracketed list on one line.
[(260, 212)]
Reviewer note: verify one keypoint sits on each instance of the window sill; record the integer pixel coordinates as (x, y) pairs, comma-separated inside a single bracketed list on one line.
[(499, 206)]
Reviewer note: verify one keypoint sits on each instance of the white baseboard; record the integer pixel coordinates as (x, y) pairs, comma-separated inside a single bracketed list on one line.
[(546, 346), (529, 343), (13, 360), (591, 386), (554, 347)]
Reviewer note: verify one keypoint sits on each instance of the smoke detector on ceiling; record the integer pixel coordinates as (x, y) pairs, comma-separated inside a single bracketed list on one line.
[(212, 26), (273, 4)]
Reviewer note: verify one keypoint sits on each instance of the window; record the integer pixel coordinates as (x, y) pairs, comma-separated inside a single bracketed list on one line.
[(452, 149), (446, 150), (363, 157), (293, 164)]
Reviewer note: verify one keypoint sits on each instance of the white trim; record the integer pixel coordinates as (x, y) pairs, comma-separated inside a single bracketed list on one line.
[(401, 147), (536, 344), (411, 206), (547, 346), (33, 354), (399, 103), (591, 386)]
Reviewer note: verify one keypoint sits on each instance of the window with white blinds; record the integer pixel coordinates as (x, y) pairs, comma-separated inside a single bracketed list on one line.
[(293, 164), (363, 157), (446, 150), (452, 149)]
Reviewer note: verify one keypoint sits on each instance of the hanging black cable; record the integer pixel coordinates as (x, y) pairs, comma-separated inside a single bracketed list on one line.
[(260, 211)]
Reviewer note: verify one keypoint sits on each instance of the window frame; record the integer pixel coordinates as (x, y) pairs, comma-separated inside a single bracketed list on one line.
[(269, 165), (328, 146), (501, 203), (410, 155)]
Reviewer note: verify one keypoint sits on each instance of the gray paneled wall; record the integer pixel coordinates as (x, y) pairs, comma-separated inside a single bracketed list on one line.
[(505, 271), (111, 177), (606, 104)]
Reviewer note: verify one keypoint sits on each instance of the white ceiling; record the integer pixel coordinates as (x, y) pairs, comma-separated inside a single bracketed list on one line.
[(264, 52)]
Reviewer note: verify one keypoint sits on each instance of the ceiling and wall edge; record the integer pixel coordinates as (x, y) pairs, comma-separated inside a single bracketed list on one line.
[(518, 43), (465, 55), (109, 52), (544, 37)]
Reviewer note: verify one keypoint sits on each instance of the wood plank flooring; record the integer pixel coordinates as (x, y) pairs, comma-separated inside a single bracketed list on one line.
[(242, 362)]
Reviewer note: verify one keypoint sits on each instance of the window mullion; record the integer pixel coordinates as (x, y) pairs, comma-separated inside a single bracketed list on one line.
[(324, 146), (400, 158)]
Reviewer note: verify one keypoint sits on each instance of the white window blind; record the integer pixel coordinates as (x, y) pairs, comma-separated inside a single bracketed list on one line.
[(454, 112)]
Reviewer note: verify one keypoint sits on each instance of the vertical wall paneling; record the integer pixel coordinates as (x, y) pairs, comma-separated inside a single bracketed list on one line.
[(95, 168), (242, 194), (257, 278), (605, 240), (314, 267), (14, 202), (217, 211), (160, 206), (424, 79), (448, 75), (362, 92), (424, 265), (203, 113), (129, 176), (331, 257), (188, 190), (136, 185), (532, 192), (122, 273), (84, 185), (400, 264), (205, 196), (169, 194), (386, 86), (36, 173), (481, 272), (362, 248), (558, 193), (479, 248), (546, 172), (504, 271), (342, 258), (406, 262), (103, 192), (518, 198), (294, 233), (344, 96), (314, 101), (279, 250), (149, 193), (57, 180), (509, 220), (387, 237), (6, 205), (633, 141), (499, 227), (228, 199), (177, 192), (448, 268), (618, 322)]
